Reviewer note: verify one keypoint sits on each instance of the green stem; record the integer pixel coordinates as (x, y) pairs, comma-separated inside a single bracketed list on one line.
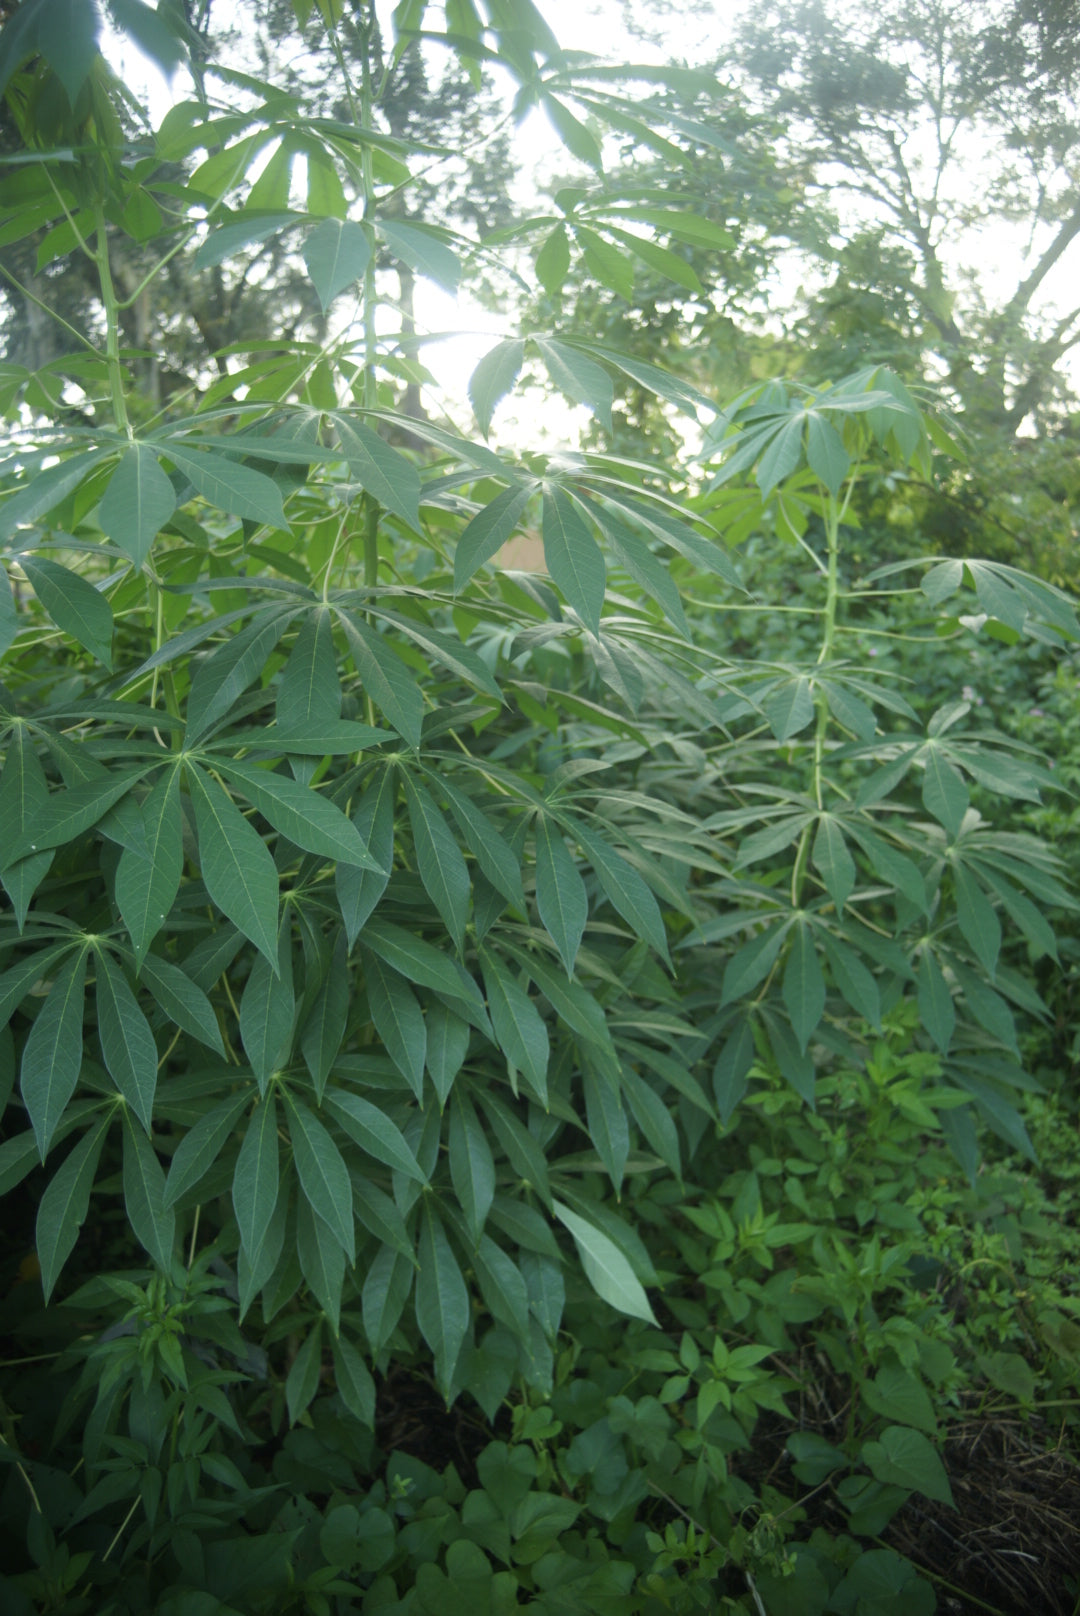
[(112, 325)]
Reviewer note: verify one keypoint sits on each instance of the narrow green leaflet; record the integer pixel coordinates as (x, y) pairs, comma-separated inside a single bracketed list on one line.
[(731, 1074), (255, 1180), (519, 1026), (894, 866), (386, 679), (487, 845), (322, 1261), (298, 812), (302, 1381), (832, 859), (421, 962), (439, 861), (230, 487), (373, 1131), (560, 893), (398, 1019), (147, 883), (854, 980), (553, 260), (16, 982), (44, 489), (935, 1002), (267, 1010), (236, 864), (625, 889), (581, 379), (65, 1203), (502, 1286), (447, 1045), (358, 891), (309, 695), (247, 229), (323, 1176), (324, 1027), (634, 554), (127, 1043), (137, 503), (521, 1148), (607, 1270), (573, 1003), (9, 617), (74, 605), (152, 1223), (380, 470), (752, 963), (488, 531), (354, 1383), (336, 254), (221, 678), (24, 798), (609, 1130), (804, 985), (653, 1118), (574, 558), (53, 1053), (423, 251), (64, 815), (182, 1000), (492, 379), (789, 708), (447, 649), (944, 793), (386, 1288), (202, 1145), (825, 452), (442, 1301), (977, 919), (472, 1166)]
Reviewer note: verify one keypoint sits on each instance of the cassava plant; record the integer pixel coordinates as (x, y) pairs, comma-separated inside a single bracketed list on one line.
[(343, 869)]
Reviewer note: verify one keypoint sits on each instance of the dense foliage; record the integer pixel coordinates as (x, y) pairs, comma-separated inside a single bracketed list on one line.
[(494, 1063)]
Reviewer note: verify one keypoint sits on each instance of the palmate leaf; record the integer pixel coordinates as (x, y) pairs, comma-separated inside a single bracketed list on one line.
[(236, 864)]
